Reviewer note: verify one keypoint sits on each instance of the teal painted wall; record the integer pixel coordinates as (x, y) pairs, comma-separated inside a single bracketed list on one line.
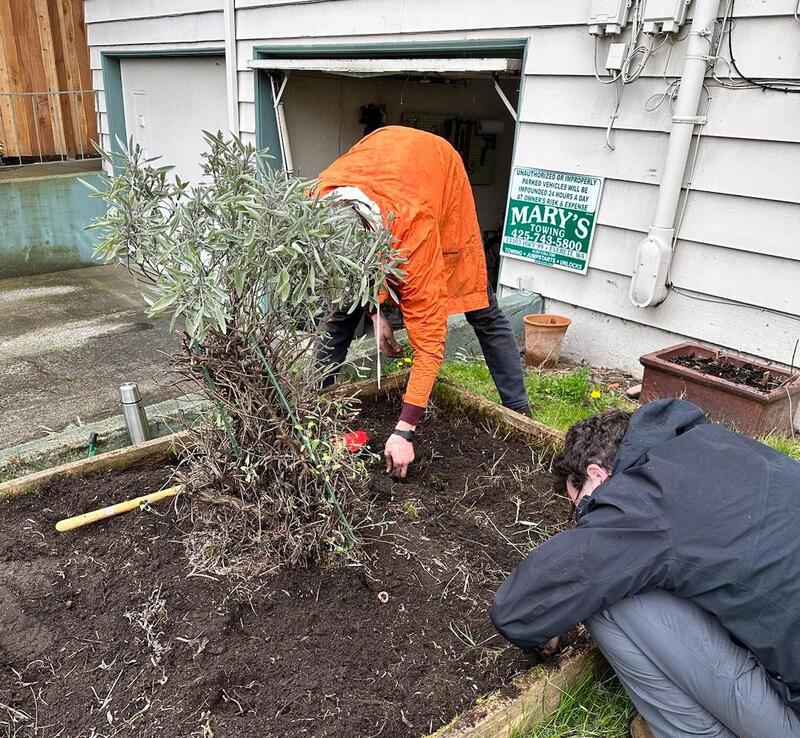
[(42, 221)]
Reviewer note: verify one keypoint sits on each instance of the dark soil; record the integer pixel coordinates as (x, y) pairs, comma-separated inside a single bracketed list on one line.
[(103, 632), (740, 373)]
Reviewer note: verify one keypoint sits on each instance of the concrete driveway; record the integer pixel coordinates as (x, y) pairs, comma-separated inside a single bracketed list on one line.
[(67, 341)]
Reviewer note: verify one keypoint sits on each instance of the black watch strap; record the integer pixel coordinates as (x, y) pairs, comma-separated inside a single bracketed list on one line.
[(409, 435)]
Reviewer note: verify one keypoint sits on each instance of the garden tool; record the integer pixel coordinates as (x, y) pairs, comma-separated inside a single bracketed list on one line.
[(78, 521), (354, 440)]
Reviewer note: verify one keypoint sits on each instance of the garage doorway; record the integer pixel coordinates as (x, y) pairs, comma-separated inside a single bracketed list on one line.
[(323, 105)]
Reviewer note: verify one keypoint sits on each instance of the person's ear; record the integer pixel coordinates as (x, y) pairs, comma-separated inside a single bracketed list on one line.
[(572, 492), (597, 474)]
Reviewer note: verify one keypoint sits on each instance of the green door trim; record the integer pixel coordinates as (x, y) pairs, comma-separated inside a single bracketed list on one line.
[(266, 121), (112, 84)]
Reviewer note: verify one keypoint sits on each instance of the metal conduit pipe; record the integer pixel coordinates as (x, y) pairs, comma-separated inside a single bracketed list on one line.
[(654, 255), (231, 72)]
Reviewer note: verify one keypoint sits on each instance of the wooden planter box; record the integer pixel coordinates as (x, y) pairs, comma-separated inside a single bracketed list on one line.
[(746, 409), (497, 715)]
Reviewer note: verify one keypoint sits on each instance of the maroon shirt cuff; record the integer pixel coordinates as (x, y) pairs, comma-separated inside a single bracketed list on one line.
[(411, 413)]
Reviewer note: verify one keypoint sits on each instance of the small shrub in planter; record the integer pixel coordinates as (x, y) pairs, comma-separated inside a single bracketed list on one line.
[(247, 263)]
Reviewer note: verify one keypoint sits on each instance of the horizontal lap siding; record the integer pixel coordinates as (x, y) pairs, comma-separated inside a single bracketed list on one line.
[(752, 331), (147, 26), (738, 237), (97, 11), (748, 113), (758, 169), (173, 29), (719, 220)]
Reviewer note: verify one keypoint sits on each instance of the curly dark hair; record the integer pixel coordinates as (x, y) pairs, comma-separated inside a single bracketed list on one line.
[(591, 441)]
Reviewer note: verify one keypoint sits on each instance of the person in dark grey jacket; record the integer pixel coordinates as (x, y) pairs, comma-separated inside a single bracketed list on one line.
[(684, 565)]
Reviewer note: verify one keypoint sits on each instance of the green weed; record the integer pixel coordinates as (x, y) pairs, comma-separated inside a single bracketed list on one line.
[(595, 707), (788, 446)]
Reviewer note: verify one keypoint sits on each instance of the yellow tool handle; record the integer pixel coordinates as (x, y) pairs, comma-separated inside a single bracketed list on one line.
[(78, 521)]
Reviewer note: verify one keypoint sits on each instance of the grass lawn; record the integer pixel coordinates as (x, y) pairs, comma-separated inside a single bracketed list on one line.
[(558, 398), (561, 397)]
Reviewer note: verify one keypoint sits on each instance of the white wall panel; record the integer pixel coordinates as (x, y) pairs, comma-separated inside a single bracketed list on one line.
[(96, 11), (361, 17), (247, 117), (747, 329), (767, 227), (247, 81), (747, 113), (760, 169), (701, 267), (763, 47), (172, 29)]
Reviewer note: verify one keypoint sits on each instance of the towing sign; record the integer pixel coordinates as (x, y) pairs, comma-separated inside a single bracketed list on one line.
[(550, 217)]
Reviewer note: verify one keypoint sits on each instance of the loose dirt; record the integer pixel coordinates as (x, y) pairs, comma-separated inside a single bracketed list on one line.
[(104, 632)]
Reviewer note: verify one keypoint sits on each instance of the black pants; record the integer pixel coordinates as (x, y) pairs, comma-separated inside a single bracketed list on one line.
[(491, 327)]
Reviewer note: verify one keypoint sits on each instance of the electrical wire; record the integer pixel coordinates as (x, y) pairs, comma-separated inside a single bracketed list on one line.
[(730, 301), (763, 85), (614, 115)]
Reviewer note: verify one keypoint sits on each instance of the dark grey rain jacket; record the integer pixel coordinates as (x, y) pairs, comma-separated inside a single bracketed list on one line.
[(692, 508)]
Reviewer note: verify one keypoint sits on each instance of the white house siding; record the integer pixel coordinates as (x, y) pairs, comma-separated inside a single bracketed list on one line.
[(147, 26), (739, 237)]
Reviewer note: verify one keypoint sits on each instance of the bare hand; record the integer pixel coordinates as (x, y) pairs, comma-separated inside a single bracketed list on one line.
[(550, 647), (384, 335), (399, 454)]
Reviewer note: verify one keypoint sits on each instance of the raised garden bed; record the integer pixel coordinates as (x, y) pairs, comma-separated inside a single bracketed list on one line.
[(105, 634), (753, 397)]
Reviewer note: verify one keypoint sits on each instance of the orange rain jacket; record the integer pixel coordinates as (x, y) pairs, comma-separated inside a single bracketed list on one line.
[(418, 181)]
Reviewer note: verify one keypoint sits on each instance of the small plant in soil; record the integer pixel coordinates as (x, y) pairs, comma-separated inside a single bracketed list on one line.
[(247, 262)]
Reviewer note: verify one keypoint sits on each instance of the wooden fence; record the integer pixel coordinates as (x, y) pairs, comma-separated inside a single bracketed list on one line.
[(47, 104)]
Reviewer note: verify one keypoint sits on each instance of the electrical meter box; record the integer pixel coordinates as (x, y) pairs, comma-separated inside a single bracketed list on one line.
[(664, 16), (608, 16)]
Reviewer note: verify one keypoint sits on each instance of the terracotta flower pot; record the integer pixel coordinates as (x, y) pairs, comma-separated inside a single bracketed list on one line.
[(747, 409), (543, 336)]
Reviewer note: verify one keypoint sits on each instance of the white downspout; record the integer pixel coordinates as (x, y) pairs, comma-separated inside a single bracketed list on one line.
[(231, 72), (654, 255)]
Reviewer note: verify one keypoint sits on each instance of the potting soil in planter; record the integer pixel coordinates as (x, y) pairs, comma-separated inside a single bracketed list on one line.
[(104, 633), (718, 366)]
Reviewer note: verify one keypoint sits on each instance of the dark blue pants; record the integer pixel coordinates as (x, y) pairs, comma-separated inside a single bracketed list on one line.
[(491, 326)]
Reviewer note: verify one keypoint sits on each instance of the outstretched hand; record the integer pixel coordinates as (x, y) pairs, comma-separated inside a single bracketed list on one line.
[(399, 454)]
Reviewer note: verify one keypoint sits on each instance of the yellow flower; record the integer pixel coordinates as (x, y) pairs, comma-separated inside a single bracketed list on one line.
[(596, 394), (407, 361)]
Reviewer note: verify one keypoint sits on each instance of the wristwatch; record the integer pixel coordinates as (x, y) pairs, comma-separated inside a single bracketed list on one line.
[(409, 435)]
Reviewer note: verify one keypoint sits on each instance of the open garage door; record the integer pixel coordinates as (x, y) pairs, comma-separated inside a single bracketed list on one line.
[(322, 106)]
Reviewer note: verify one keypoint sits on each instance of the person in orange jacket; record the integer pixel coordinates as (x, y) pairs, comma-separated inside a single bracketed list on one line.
[(415, 184)]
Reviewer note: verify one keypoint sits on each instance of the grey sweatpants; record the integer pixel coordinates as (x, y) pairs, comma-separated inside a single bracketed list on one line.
[(685, 675)]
